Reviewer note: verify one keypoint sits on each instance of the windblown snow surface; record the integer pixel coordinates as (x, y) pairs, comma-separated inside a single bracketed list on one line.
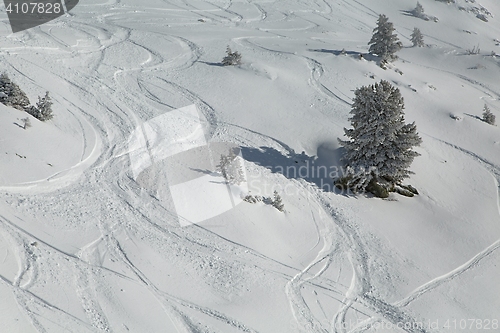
[(113, 219)]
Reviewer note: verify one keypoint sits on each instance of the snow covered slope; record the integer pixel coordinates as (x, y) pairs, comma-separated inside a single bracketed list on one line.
[(87, 244)]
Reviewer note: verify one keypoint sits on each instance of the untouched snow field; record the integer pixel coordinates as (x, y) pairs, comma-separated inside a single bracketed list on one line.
[(114, 219)]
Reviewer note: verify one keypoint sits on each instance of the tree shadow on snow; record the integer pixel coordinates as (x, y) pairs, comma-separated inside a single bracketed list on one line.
[(216, 64), (410, 13), (424, 17), (352, 54), (204, 171), (473, 116), (318, 170)]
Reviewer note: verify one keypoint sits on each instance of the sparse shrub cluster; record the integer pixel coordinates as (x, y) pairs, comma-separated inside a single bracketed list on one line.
[(12, 95), (275, 201), (252, 199), (473, 51), (26, 123)]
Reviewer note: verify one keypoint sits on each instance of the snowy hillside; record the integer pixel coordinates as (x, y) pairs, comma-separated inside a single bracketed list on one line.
[(115, 218)]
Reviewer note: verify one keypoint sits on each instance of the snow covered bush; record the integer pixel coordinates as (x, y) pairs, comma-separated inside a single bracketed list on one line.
[(44, 106), (473, 51), (379, 150), (26, 122), (419, 10), (43, 109), (231, 169), (384, 43), (417, 38), (277, 202), (488, 116), (252, 199), (231, 58), (11, 94)]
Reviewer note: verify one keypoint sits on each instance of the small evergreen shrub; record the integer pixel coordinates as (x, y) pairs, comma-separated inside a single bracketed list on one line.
[(252, 199), (231, 168), (277, 202), (488, 116), (417, 38), (231, 58), (26, 122), (43, 109)]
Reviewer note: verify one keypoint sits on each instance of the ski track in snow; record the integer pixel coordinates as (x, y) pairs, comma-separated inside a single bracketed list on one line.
[(473, 262), (360, 286), (121, 200)]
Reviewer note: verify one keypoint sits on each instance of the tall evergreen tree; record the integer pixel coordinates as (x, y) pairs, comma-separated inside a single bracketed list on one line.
[(417, 38), (488, 116), (384, 42), (380, 144)]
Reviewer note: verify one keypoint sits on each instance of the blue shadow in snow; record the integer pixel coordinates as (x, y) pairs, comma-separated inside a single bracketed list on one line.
[(318, 170)]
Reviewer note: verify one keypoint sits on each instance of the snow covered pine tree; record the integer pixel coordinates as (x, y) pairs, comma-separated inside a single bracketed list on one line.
[(384, 43), (419, 10), (488, 116), (277, 202), (11, 94), (231, 58), (379, 151), (231, 168), (417, 38), (43, 109)]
